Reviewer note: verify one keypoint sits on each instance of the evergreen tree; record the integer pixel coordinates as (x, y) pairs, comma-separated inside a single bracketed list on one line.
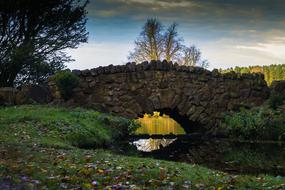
[(271, 72)]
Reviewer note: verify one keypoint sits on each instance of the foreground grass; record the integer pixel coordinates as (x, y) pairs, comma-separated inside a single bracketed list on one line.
[(38, 150)]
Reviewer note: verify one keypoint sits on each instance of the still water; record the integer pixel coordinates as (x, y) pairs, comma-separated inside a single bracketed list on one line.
[(226, 155), (221, 154), (148, 145)]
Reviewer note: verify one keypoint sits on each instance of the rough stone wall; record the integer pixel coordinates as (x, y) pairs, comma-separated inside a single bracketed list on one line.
[(198, 94), (7, 96), (27, 94)]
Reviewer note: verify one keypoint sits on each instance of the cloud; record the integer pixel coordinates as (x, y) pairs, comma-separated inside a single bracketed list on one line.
[(107, 13), (274, 49), (226, 53), (218, 16), (99, 54), (160, 3)]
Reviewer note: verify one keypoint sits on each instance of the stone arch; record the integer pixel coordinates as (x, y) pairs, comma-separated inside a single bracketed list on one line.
[(180, 109), (194, 93)]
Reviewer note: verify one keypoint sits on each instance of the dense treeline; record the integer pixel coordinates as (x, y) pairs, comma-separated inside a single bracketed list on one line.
[(271, 72)]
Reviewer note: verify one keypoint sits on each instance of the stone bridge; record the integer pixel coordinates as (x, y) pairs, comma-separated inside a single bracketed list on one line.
[(193, 95)]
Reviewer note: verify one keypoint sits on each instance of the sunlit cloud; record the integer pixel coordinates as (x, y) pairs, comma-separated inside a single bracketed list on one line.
[(161, 3), (107, 13), (274, 49), (225, 53)]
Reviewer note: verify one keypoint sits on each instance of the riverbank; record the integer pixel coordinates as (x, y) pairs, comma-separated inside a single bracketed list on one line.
[(45, 148)]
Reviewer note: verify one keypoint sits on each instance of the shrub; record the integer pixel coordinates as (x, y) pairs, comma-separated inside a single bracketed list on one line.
[(276, 100), (261, 123), (277, 96), (66, 82)]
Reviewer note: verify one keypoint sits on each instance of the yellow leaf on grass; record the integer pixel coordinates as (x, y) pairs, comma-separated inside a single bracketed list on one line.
[(100, 171), (162, 173)]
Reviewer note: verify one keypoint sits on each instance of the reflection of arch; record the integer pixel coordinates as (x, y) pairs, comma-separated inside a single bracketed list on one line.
[(148, 145)]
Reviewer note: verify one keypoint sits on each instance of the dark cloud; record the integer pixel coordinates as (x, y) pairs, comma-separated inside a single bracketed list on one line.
[(217, 17), (211, 10)]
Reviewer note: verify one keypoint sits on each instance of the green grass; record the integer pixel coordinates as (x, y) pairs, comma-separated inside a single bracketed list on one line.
[(39, 150), (61, 127)]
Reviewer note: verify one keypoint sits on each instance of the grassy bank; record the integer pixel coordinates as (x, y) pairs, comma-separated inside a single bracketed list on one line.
[(42, 148), (61, 127)]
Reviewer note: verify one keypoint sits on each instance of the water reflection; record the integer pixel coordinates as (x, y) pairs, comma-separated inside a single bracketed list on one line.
[(226, 155), (148, 145), (155, 124)]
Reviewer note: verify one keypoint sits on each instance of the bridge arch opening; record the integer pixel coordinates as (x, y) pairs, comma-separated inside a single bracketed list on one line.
[(187, 125)]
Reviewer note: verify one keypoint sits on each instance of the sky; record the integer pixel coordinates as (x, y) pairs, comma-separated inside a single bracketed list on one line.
[(229, 33)]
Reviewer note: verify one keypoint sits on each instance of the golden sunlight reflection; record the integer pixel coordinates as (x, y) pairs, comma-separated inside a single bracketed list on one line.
[(155, 124)]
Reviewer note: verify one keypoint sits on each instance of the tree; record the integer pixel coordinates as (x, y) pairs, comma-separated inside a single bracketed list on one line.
[(149, 46), (192, 56), (34, 35), (156, 44), (204, 64), (172, 43), (271, 72)]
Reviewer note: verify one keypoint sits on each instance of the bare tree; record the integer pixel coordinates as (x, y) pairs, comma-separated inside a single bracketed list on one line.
[(149, 46), (192, 56), (204, 64), (156, 44), (172, 43)]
